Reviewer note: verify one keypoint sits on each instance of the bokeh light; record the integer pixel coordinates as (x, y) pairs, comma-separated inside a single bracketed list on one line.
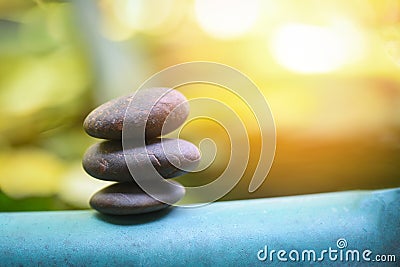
[(227, 19), (124, 18), (314, 49)]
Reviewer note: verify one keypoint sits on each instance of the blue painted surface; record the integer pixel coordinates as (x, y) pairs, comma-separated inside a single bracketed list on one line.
[(221, 234)]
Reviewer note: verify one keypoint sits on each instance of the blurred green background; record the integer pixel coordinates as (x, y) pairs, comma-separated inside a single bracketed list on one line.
[(329, 70)]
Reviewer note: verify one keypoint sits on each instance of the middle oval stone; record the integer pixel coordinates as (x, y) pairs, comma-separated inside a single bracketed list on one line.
[(170, 157)]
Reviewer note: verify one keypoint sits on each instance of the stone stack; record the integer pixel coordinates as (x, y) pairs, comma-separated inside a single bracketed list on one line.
[(106, 160)]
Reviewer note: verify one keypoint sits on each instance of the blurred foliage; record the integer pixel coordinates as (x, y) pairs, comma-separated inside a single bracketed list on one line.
[(45, 84), (44, 76), (30, 173), (31, 204), (338, 121)]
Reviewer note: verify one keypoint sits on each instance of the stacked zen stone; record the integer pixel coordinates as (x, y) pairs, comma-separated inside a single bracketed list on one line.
[(106, 161)]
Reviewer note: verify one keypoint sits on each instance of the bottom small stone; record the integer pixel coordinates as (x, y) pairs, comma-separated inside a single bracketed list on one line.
[(129, 199)]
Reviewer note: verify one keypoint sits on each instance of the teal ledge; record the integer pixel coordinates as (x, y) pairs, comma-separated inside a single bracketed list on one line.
[(356, 228)]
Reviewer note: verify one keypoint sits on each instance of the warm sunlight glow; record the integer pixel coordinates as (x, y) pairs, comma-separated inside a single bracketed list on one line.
[(313, 49), (123, 18), (226, 19)]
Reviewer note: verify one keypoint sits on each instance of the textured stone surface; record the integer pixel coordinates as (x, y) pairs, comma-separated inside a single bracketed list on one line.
[(129, 198), (106, 160), (107, 120)]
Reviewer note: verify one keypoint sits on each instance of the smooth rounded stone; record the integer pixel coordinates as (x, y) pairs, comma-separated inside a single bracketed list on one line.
[(129, 198), (106, 160), (107, 120)]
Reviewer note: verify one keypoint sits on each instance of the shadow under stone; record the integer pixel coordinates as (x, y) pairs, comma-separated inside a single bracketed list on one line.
[(134, 219)]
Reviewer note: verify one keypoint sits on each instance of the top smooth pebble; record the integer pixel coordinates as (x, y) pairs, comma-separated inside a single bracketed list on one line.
[(150, 111)]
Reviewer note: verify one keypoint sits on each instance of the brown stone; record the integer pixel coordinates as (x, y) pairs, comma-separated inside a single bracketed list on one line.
[(129, 198), (106, 160), (107, 120)]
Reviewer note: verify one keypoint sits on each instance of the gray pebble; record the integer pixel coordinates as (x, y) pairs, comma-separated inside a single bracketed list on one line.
[(106, 160), (107, 120), (129, 198)]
